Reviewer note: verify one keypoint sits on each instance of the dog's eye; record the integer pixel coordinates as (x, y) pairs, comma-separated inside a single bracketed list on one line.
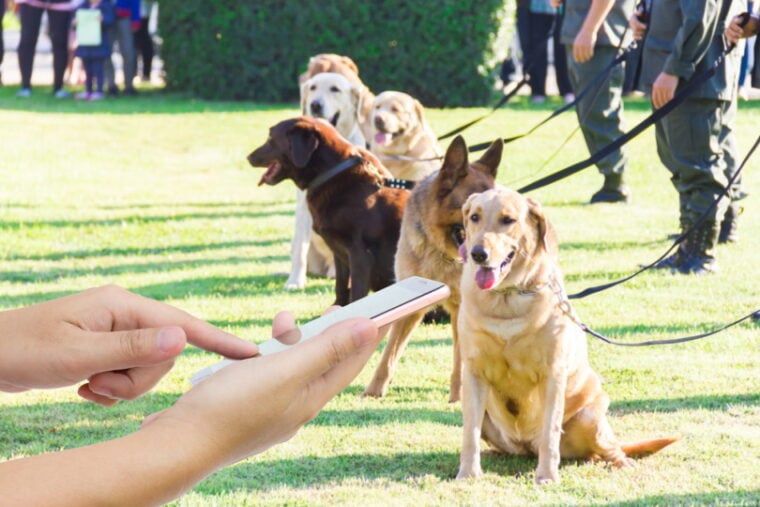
[(334, 89), (313, 87), (474, 218), (507, 221), (457, 233), (395, 110)]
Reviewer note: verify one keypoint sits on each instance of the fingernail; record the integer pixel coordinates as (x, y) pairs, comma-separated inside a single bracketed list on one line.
[(170, 339), (364, 333), (103, 392)]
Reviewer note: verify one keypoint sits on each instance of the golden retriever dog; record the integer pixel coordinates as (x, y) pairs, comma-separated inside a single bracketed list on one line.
[(431, 233), (332, 97), (528, 387), (340, 64), (401, 137)]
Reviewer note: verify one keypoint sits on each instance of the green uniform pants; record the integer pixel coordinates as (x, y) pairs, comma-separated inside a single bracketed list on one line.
[(696, 143), (600, 111)]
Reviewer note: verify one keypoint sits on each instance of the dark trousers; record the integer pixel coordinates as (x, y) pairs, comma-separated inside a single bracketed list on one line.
[(94, 73), (534, 30), (58, 22), (144, 48), (2, 46)]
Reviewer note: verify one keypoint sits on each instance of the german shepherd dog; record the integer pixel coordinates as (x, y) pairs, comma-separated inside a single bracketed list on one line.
[(358, 217), (528, 385), (431, 233)]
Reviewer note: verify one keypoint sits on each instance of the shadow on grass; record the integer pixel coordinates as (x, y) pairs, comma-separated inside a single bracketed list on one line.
[(14, 225), (133, 251), (716, 402), (739, 497)]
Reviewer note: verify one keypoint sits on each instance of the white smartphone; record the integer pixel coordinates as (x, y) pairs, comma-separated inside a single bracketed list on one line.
[(383, 307)]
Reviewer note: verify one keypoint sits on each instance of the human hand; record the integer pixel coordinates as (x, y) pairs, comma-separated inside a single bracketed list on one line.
[(663, 89), (555, 3), (583, 45), (251, 405), (735, 30), (120, 342), (638, 27)]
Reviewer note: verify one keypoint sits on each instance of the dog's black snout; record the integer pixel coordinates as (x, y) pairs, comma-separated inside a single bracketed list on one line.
[(479, 254), (316, 107), (379, 123)]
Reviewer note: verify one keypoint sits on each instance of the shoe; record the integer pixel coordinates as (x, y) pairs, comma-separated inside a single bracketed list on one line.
[(699, 249), (538, 99), (130, 92), (756, 317), (113, 91), (729, 226), (24, 93), (569, 98), (82, 96), (613, 190), (96, 96), (61, 94)]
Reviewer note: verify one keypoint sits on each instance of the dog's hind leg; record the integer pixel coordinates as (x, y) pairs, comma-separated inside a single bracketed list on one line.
[(299, 245), (589, 434), (401, 331)]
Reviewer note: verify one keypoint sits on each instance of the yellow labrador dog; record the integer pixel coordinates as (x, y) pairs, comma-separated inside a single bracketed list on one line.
[(401, 137), (335, 99), (528, 387)]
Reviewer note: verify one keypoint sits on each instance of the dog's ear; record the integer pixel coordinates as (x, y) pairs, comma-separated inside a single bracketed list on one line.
[(349, 63), (545, 232), (304, 95), (489, 162), (356, 98), (419, 111), (303, 142), (454, 166)]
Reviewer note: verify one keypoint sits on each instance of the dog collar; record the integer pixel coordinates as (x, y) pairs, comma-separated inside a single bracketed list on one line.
[(530, 291), (399, 183), (331, 173)]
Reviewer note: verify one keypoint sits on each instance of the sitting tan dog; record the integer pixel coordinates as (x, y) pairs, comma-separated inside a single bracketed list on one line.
[(401, 137), (345, 66), (528, 387)]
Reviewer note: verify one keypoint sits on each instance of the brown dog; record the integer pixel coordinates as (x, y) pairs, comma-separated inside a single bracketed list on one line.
[(431, 233), (330, 62), (357, 216), (527, 385)]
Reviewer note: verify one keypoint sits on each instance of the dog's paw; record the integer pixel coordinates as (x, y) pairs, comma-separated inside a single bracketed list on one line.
[(624, 462), (373, 391), (294, 285), (469, 472), (544, 477)]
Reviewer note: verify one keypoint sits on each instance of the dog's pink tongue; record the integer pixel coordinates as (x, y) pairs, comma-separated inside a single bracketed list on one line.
[(383, 138), (485, 278)]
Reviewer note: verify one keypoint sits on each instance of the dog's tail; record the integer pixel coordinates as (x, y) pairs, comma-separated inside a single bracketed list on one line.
[(646, 447)]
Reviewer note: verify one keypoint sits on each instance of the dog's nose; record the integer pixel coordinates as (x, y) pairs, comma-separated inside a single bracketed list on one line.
[(316, 107), (379, 123), (479, 254)]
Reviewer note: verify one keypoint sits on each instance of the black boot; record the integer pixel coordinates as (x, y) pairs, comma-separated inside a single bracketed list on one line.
[(699, 250), (729, 226), (613, 190)]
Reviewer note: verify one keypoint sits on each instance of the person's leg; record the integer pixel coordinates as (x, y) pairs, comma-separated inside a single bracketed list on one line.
[(30, 18), (2, 45), (540, 26), (108, 68), (600, 117), (89, 74), (127, 49), (98, 74), (59, 23), (560, 61)]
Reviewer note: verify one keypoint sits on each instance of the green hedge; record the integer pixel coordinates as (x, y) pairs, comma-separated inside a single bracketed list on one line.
[(443, 52)]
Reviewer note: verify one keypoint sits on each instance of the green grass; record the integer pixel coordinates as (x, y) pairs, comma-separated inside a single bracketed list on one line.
[(154, 194)]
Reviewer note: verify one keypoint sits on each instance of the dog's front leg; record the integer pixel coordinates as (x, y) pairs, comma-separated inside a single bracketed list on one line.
[(551, 431), (473, 412), (361, 262), (342, 274), (455, 384), (299, 246)]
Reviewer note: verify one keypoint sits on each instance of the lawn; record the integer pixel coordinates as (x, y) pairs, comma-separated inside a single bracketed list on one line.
[(154, 194)]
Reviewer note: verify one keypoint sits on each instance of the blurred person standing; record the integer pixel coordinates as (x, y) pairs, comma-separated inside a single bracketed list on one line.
[(592, 31), (121, 32), (59, 14), (695, 141), (2, 45), (144, 50), (94, 52)]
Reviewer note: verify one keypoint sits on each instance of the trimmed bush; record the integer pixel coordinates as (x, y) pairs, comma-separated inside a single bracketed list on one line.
[(443, 52)]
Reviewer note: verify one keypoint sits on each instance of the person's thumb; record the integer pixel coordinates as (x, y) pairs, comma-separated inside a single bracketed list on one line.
[(121, 350)]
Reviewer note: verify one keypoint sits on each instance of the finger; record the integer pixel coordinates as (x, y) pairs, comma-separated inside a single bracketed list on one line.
[(121, 350), (132, 311), (11, 388), (84, 392), (128, 384), (316, 356), (282, 323)]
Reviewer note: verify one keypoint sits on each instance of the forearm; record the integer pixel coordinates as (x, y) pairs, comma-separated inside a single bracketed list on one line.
[(596, 15), (149, 467), (693, 38)]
